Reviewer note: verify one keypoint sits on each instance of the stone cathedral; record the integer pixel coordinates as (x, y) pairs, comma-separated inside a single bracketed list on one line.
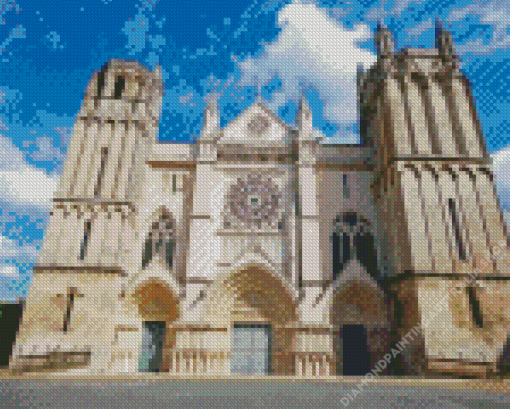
[(262, 249)]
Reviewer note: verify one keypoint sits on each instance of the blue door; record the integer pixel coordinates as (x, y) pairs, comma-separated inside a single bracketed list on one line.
[(152, 346), (250, 349)]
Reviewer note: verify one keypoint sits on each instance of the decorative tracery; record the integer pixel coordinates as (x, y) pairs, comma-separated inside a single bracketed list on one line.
[(160, 241), (254, 202), (352, 238)]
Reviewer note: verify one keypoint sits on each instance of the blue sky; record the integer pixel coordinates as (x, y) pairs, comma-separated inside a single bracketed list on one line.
[(50, 49)]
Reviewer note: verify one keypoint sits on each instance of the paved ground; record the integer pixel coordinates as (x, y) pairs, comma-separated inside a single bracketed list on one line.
[(147, 391)]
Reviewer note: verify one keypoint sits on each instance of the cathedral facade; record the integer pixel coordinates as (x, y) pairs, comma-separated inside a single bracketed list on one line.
[(262, 249)]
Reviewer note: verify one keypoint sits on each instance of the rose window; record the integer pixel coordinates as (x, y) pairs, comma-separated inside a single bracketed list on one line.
[(253, 202), (258, 125)]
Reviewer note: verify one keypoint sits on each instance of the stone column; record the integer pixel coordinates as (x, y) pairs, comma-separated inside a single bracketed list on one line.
[(309, 220), (398, 123), (474, 221), (127, 160), (51, 243), (108, 245), (465, 115), (72, 157), (436, 227), (417, 116), (95, 160), (93, 255), (440, 121), (118, 133), (85, 159), (69, 235), (487, 200), (419, 246), (447, 187)]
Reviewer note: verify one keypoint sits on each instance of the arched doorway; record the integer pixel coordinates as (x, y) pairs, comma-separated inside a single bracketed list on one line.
[(355, 350), (157, 307), (361, 320), (260, 310)]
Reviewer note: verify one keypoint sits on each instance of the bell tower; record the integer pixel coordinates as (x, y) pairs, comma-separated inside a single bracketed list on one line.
[(435, 194), (88, 247), (102, 175)]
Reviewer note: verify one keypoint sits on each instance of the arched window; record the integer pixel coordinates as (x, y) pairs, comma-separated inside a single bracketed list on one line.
[(100, 83), (366, 253), (456, 228), (100, 172), (119, 87), (161, 241), (352, 238), (341, 252), (86, 239)]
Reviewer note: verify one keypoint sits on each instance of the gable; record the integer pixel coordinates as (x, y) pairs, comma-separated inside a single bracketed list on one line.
[(256, 126)]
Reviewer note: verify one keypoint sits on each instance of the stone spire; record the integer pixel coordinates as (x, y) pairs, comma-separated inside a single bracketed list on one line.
[(384, 43), (305, 118), (444, 41), (211, 116)]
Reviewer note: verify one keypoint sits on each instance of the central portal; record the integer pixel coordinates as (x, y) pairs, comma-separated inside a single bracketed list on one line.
[(251, 349), (356, 356)]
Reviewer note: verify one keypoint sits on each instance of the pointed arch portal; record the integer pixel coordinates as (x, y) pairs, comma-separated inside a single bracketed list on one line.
[(157, 307), (259, 342)]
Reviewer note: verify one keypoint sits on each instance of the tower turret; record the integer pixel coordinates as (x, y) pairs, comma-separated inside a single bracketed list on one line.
[(211, 118), (444, 44), (305, 118), (384, 42)]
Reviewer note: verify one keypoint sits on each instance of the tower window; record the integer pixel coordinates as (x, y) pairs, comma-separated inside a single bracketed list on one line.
[(100, 173), (85, 241), (474, 306), (174, 183), (160, 241), (346, 190), (456, 229), (72, 294), (100, 83), (341, 252), (119, 87)]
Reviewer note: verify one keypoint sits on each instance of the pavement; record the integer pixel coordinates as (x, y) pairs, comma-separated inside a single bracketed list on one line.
[(166, 391)]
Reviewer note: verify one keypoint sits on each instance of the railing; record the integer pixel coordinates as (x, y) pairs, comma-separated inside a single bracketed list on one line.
[(314, 364)]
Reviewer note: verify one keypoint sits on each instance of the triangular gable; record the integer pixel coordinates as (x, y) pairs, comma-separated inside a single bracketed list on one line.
[(256, 124)]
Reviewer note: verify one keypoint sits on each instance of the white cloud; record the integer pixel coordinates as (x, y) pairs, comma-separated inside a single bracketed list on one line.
[(501, 167), (3, 127), (495, 13), (20, 182), (414, 32), (10, 250), (390, 8), (316, 51), (9, 271)]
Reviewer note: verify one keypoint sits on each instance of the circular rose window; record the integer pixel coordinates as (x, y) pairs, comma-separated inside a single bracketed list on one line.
[(254, 201)]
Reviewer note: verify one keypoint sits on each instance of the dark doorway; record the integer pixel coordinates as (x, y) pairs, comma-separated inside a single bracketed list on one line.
[(10, 320), (504, 360), (152, 346), (356, 356)]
